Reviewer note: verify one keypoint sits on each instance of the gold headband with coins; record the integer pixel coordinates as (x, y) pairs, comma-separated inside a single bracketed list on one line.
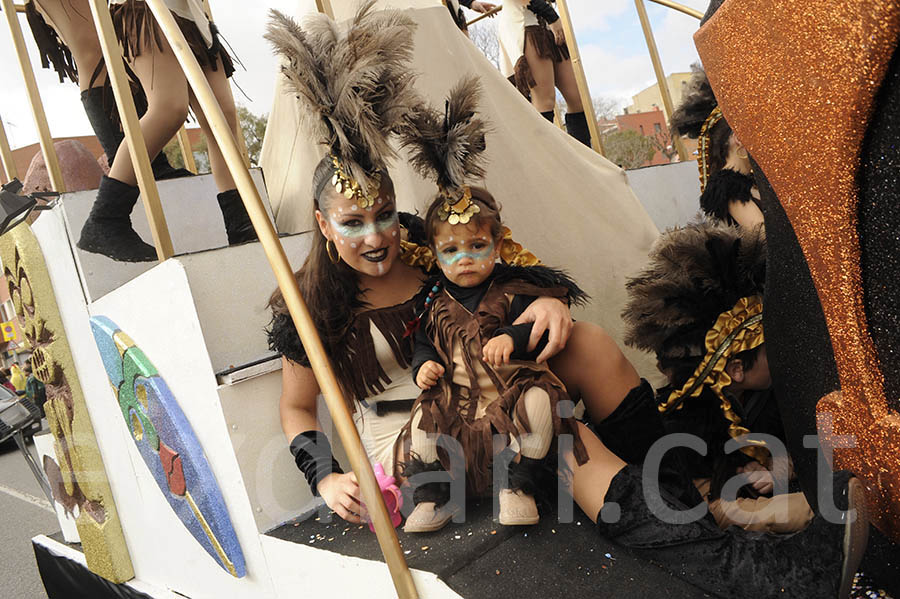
[(704, 145), (458, 210), (351, 189)]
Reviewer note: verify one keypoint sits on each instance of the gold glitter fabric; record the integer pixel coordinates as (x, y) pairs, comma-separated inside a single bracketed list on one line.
[(797, 82), (82, 480)]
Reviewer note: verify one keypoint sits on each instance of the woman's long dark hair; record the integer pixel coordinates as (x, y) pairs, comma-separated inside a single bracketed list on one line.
[(331, 291)]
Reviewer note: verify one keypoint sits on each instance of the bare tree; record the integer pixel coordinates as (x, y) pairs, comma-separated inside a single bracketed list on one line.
[(484, 35), (605, 107), (628, 149), (662, 140)]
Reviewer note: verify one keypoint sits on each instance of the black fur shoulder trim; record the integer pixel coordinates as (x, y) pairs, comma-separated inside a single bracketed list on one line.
[(415, 226), (724, 187), (542, 276), (283, 338)]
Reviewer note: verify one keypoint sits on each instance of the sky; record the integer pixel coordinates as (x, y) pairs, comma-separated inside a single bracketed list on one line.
[(609, 36)]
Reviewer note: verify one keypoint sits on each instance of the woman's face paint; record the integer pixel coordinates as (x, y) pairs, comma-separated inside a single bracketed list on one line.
[(466, 253), (366, 239)]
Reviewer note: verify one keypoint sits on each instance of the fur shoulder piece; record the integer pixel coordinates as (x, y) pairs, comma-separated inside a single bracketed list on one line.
[(447, 146), (723, 187), (353, 81), (283, 338), (542, 276), (695, 106), (694, 274)]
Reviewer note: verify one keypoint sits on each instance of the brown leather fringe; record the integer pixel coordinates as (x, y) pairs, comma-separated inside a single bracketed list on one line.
[(361, 374), (136, 29), (50, 47), (450, 409), (545, 44)]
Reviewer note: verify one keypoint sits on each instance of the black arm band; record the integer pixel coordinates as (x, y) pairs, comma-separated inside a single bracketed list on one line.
[(312, 452), (542, 9)]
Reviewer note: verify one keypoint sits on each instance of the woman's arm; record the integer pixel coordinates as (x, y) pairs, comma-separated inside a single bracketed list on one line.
[(548, 313), (746, 214), (299, 390)]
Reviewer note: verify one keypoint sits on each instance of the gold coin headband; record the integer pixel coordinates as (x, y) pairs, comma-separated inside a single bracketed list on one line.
[(458, 211), (703, 150), (351, 189)]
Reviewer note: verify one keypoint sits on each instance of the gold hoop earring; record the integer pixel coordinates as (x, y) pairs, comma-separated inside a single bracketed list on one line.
[(336, 257), (742, 153)]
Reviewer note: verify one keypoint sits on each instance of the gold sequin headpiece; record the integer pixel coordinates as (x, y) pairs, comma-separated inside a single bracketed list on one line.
[(703, 143), (351, 189), (736, 330), (458, 210)]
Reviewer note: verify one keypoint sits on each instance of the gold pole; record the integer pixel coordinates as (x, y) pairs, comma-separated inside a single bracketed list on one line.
[(20, 8), (242, 143), (34, 97), (324, 6), (487, 14), (9, 164), (187, 152), (137, 148), (680, 8), (343, 422), (660, 75), (580, 79)]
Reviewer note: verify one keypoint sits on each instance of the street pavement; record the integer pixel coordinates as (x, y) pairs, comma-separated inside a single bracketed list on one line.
[(25, 514)]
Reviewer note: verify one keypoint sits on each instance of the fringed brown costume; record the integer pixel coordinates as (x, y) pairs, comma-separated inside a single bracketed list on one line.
[(474, 401)]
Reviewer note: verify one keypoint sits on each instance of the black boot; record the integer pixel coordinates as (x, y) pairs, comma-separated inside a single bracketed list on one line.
[(633, 426), (107, 229), (577, 127), (548, 115), (817, 562), (108, 133), (237, 221)]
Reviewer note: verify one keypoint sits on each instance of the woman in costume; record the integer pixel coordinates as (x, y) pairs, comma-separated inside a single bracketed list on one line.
[(532, 37), (682, 313), (727, 191), (357, 278), (67, 41), (359, 289), (108, 229), (477, 375)]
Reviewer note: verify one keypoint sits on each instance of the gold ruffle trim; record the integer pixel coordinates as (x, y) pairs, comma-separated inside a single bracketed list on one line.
[(736, 330)]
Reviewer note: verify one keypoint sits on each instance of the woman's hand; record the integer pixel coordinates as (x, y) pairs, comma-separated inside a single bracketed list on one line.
[(548, 313), (341, 494), (428, 374), (482, 7), (559, 34), (498, 350)]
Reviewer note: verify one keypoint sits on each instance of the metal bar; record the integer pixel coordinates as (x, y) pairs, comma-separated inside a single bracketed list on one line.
[(32, 464), (580, 78), (680, 8), (34, 98), (343, 421), (134, 137), (9, 164), (660, 75), (487, 14), (187, 152)]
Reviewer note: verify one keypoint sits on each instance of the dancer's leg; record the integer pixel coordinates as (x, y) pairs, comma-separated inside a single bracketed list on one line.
[(543, 94), (220, 87), (75, 26), (576, 121), (167, 105)]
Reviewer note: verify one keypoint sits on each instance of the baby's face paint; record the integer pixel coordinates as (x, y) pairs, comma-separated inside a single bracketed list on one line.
[(367, 240), (466, 253)]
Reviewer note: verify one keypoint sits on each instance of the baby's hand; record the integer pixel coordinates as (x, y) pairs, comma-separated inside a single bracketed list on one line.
[(428, 375), (498, 350)]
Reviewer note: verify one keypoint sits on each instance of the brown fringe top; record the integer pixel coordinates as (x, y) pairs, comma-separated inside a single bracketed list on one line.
[(51, 48), (360, 373), (451, 409)]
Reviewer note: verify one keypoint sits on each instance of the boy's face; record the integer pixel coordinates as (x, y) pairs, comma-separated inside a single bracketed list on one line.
[(466, 253)]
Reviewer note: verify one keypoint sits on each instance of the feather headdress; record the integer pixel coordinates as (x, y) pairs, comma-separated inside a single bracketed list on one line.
[(694, 274), (355, 83), (447, 146)]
